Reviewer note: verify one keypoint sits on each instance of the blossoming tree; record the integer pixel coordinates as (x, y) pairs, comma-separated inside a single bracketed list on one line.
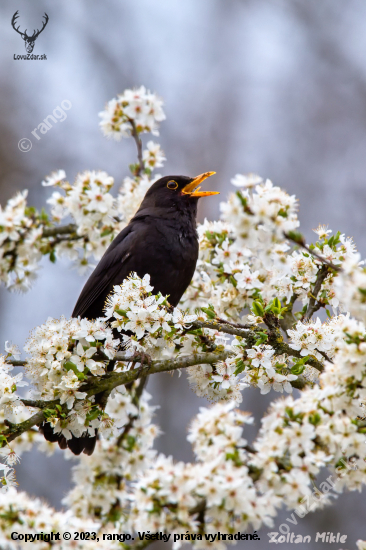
[(248, 318)]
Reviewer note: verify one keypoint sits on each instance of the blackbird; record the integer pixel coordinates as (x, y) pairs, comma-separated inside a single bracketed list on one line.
[(161, 239)]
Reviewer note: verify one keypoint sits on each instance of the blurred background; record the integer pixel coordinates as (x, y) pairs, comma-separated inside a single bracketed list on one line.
[(276, 87)]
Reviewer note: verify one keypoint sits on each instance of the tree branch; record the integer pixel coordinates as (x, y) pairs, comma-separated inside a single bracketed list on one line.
[(60, 230), (16, 430), (39, 404), (16, 363), (111, 380), (224, 326)]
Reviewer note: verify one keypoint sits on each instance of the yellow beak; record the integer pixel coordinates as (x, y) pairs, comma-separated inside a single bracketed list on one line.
[(193, 190)]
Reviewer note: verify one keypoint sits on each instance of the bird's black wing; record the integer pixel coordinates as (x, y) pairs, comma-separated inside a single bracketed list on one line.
[(108, 269)]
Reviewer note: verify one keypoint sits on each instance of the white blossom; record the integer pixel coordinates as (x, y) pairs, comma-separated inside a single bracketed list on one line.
[(138, 105), (55, 178)]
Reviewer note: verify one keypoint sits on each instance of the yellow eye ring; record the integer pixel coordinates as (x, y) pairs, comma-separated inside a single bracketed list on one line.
[(172, 184)]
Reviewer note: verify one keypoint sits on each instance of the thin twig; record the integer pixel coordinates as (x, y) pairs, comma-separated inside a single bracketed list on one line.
[(138, 142), (313, 306), (133, 417), (236, 325), (289, 320), (16, 363), (276, 341), (39, 404), (299, 240)]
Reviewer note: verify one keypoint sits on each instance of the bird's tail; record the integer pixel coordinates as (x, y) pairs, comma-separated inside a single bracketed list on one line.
[(86, 443), (77, 445)]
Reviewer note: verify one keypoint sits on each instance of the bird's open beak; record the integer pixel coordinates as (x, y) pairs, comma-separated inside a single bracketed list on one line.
[(193, 190)]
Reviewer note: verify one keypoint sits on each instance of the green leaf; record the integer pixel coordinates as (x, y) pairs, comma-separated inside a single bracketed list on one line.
[(240, 366), (233, 281), (69, 365), (210, 235), (334, 240), (297, 237), (276, 307), (315, 419), (29, 211), (299, 366), (43, 215), (53, 256), (257, 309), (263, 337), (269, 306), (130, 443), (106, 232), (133, 168), (289, 412), (234, 456), (242, 199), (49, 413), (122, 312), (210, 311), (297, 369), (93, 414)]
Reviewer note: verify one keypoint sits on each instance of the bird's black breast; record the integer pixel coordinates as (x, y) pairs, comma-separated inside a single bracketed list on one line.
[(165, 248), (171, 256)]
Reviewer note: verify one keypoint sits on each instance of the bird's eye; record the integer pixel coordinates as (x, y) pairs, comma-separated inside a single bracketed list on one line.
[(172, 184)]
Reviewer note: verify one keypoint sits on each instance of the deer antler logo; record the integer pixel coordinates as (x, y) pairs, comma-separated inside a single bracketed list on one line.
[(28, 40)]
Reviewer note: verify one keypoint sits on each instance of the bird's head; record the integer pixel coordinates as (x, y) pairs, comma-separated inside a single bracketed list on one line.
[(177, 191)]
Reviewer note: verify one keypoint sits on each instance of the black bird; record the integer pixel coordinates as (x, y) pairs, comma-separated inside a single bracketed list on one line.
[(161, 239)]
